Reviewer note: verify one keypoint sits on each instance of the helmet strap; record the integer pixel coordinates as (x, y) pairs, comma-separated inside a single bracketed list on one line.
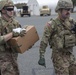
[(60, 14), (3, 11)]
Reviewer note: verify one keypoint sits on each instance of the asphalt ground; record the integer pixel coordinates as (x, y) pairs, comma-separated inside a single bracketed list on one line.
[(28, 61)]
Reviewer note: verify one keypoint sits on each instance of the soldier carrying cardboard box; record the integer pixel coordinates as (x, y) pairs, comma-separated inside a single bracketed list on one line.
[(9, 28)]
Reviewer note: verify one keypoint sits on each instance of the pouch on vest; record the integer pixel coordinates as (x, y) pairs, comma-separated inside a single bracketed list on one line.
[(70, 40), (58, 42)]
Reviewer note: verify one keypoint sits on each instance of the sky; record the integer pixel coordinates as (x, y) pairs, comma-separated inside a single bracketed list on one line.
[(40, 1), (20, 1)]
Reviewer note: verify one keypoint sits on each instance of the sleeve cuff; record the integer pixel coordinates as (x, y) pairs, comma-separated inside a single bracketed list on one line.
[(2, 41)]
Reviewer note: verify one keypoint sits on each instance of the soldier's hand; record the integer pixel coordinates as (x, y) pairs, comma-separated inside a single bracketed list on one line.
[(42, 62), (22, 32), (19, 32)]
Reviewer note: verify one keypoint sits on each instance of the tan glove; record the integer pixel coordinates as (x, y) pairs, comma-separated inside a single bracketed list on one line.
[(19, 32)]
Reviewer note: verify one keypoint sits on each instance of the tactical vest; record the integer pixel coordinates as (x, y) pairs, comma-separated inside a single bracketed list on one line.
[(5, 28), (63, 37)]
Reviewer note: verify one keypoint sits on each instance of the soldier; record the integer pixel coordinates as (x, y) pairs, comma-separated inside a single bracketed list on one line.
[(60, 34), (9, 28)]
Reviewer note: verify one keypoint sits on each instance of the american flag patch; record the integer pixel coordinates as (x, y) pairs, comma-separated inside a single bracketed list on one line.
[(48, 24)]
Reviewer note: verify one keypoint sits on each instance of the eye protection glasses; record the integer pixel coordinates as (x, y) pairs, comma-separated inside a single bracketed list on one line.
[(9, 9)]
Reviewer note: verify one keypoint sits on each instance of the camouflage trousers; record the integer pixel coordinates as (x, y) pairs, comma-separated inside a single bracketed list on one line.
[(64, 63), (8, 64)]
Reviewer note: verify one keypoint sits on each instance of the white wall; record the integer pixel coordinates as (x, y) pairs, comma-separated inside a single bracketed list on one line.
[(34, 7)]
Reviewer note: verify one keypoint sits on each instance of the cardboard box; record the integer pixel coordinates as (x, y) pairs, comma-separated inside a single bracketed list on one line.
[(24, 43)]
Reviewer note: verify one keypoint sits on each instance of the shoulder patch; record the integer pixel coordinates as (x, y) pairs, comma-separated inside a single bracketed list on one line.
[(49, 23)]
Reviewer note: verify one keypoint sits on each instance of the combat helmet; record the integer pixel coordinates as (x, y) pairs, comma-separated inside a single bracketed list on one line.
[(4, 3), (64, 4)]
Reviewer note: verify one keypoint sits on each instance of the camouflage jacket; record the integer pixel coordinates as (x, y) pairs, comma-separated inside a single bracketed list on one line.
[(6, 29), (54, 32)]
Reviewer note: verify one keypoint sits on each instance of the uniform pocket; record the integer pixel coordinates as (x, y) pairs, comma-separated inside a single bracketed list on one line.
[(70, 40)]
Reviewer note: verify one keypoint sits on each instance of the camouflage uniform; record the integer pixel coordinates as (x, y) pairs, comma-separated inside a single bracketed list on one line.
[(62, 40), (8, 56)]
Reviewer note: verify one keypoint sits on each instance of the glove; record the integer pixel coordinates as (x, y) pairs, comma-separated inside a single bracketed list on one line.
[(19, 32), (42, 62), (22, 32)]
